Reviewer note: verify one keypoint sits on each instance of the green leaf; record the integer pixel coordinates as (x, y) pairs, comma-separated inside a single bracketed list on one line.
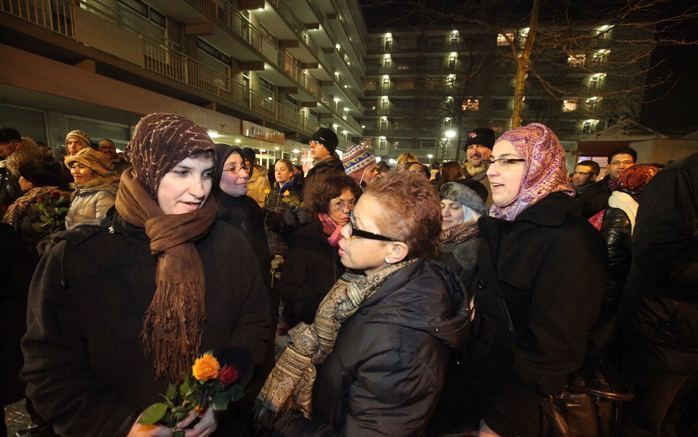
[(153, 413), (178, 433), (236, 392), (185, 387), (171, 393), (219, 401)]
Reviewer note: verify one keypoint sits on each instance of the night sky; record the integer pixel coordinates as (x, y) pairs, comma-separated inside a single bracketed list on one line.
[(669, 109)]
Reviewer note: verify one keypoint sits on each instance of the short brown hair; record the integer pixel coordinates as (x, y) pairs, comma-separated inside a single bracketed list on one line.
[(411, 210), (326, 189)]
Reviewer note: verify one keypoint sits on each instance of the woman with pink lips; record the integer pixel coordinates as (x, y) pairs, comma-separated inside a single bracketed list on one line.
[(117, 312), (538, 284), (312, 264)]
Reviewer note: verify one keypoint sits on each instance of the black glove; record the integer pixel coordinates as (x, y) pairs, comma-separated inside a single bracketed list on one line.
[(298, 216)]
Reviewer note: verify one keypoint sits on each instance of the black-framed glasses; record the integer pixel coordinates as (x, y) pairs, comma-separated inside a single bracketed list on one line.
[(356, 232), (236, 169), (505, 162)]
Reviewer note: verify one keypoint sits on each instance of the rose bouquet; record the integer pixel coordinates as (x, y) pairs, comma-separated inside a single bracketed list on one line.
[(210, 385)]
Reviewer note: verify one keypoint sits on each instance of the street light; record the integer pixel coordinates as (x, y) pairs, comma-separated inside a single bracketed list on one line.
[(450, 133)]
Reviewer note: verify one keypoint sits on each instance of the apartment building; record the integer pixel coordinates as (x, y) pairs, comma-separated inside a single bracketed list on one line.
[(258, 73), (424, 90)]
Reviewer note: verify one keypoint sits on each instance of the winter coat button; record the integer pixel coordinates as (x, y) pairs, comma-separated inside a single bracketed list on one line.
[(481, 284)]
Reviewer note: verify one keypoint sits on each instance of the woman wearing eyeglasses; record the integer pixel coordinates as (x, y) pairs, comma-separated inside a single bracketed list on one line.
[(539, 283), (373, 361), (236, 208), (312, 264)]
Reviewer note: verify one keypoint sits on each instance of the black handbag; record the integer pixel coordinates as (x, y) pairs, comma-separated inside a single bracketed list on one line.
[(590, 405)]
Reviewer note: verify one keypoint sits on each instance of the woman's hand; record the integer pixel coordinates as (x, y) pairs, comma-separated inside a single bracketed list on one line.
[(486, 431), (205, 427)]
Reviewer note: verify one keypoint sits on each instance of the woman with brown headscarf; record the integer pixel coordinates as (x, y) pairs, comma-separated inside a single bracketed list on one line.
[(115, 312)]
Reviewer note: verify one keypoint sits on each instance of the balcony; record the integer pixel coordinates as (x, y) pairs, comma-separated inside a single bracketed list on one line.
[(159, 57)]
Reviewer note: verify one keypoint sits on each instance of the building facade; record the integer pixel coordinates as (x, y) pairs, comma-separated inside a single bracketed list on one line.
[(424, 90), (257, 73)]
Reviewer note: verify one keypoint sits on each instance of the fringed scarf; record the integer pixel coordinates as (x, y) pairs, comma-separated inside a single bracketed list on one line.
[(459, 233), (173, 322), (472, 170), (290, 384)]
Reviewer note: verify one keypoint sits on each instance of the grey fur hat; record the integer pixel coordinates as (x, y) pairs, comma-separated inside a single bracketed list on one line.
[(459, 193)]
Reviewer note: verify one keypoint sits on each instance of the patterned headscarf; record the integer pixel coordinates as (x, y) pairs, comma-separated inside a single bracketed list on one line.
[(545, 171), (160, 142), (634, 178)]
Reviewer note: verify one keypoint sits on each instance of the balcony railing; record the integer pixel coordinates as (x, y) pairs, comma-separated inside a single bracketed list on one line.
[(163, 59), (54, 15)]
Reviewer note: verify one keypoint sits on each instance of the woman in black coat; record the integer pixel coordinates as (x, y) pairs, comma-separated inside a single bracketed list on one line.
[(115, 313), (238, 209), (312, 264), (373, 362), (539, 283)]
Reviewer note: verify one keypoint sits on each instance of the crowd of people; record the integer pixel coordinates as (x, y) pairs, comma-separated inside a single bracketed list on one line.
[(365, 300)]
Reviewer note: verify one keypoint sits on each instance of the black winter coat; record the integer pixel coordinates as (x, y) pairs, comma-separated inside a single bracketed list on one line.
[(595, 198), (311, 268), (245, 215), (662, 286), (546, 268), (388, 365), (85, 368)]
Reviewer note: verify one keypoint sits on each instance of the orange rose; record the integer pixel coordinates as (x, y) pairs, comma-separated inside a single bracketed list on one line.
[(206, 368)]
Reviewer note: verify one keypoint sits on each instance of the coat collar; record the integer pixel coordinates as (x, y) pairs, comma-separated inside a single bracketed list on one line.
[(549, 211)]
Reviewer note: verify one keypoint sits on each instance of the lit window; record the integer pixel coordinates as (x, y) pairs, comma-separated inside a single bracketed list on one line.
[(576, 60), (470, 105), (569, 105), (504, 38)]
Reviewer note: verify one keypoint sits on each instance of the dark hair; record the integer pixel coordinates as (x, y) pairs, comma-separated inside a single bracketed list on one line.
[(382, 167), (326, 189), (595, 169), (41, 173), (410, 210), (451, 171), (625, 149), (249, 155)]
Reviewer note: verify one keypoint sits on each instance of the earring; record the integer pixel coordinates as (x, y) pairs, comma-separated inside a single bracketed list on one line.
[(387, 261)]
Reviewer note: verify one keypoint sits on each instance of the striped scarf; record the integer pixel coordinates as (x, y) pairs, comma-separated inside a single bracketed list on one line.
[(290, 384)]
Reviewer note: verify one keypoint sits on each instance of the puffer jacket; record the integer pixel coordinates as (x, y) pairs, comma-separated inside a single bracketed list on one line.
[(617, 233), (90, 202), (388, 365)]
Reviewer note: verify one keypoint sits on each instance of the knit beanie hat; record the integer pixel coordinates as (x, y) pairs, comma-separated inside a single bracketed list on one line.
[(357, 159), (92, 159), (160, 142), (327, 138), (80, 136), (483, 136), (459, 193)]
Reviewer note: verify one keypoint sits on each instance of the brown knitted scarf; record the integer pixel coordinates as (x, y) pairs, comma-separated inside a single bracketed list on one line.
[(459, 233), (173, 322)]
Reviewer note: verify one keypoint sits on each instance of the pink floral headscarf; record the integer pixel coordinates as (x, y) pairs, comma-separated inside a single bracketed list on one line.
[(545, 171)]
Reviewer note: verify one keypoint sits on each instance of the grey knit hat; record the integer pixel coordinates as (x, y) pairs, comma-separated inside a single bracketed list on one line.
[(459, 193)]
